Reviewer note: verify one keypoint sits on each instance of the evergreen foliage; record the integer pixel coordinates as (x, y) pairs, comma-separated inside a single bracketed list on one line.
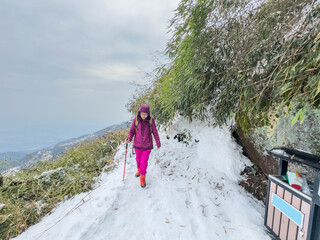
[(233, 58)]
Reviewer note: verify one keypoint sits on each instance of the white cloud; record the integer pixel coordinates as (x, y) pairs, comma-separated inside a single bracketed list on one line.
[(71, 61), (114, 72)]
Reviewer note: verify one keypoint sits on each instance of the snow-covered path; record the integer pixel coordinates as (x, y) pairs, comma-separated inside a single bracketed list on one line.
[(192, 193)]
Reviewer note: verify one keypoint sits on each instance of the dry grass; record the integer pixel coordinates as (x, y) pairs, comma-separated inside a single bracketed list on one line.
[(32, 193)]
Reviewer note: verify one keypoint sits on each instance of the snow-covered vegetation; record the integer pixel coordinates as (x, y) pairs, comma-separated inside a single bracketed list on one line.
[(29, 194), (192, 193), (253, 61), (244, 59)]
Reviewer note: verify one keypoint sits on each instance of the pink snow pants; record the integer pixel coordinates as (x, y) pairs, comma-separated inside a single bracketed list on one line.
[(142, 157)]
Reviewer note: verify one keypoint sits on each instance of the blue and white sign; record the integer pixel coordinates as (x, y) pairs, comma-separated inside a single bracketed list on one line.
[(291, 212)]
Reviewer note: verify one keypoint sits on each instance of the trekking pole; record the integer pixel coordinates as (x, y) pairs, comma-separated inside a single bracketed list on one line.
[(125, 161)]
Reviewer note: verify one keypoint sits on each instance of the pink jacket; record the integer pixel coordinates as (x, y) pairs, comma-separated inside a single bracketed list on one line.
[(143, 138)]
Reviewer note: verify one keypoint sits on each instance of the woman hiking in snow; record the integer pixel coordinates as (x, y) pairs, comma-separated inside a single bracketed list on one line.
[(142, 128)]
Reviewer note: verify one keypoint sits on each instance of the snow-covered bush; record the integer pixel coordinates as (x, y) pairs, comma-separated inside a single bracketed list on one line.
[(244, 57)]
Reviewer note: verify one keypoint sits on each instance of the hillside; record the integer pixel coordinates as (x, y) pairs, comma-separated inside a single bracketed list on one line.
[(192, 193), (31, 193), (24, 159), (253, 61)]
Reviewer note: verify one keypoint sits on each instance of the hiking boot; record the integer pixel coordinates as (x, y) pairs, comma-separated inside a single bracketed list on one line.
[(138, 173), (143, 181)]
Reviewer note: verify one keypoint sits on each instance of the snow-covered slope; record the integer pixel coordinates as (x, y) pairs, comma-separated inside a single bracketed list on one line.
[(192, 193)]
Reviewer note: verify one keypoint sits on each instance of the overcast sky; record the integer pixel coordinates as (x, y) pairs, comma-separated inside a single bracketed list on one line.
[(66, 65)]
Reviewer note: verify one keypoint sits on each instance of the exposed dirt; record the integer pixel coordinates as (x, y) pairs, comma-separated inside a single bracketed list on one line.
[(267, 163), (255, 182)]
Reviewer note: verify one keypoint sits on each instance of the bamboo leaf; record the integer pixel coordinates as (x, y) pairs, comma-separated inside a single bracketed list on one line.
[(318, 89), (317, 38), (294, 120), (311, 69), (300, 115), (285, 87)]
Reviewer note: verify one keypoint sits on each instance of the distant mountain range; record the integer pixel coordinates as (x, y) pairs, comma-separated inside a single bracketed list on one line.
[(19, 159)]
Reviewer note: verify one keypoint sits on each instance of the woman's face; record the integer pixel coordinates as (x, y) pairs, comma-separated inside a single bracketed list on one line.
[(143, 115)]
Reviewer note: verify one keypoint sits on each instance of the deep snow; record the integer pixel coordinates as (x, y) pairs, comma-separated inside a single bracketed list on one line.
[(192, 193)]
